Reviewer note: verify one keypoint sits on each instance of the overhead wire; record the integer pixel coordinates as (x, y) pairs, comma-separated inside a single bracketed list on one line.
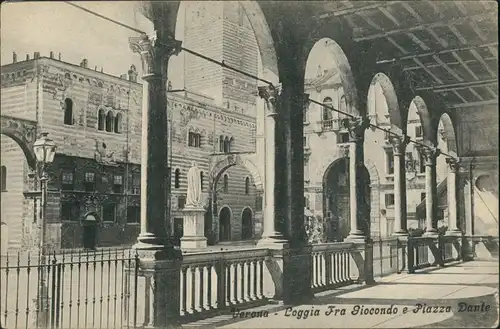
[(222, 64)]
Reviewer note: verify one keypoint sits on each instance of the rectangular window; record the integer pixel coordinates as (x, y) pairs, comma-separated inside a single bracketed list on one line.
[(89, 182), (136, 183), (133, 214), (418, 131), (421, 163), (118, 184), (343, 137), (389, 200), (389, 162), (181, 202), (70, 211), (67, 180), (109, 212)]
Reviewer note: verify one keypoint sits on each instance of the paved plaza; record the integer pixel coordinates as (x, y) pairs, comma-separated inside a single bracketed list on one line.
[(462, 295)]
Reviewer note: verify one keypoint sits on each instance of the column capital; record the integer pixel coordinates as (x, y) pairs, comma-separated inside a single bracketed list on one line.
[(356, 127), (270, 94), (430, 155), (399, 144), (154, 50), (453, 163)]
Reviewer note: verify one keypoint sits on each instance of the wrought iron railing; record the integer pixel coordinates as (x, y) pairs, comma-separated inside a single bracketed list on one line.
[(67, 290)]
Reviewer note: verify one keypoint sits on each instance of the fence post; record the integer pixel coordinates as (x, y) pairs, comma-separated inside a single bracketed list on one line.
[(411, 254), (369, 261), (220, 270)]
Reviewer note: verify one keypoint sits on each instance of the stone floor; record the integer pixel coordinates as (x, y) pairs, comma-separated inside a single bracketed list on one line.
[(463, 295)]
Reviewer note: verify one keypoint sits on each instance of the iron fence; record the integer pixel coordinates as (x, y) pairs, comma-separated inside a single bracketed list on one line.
[(86, 289)]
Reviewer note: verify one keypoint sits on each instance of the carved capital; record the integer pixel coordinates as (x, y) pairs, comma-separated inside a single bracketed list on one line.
[(430, 155), (154, 51), (357, 127), (453, 164), (270, 94), (399, 144)]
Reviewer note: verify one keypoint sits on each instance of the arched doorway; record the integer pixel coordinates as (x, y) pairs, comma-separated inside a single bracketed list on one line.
[(336, 200), (225, 224), (89, 232), (246, 224)]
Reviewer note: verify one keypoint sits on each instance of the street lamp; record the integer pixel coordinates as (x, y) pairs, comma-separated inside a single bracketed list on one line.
[(45, 150)]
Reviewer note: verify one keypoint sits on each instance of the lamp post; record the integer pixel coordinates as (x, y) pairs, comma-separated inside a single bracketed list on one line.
[(45, 150)]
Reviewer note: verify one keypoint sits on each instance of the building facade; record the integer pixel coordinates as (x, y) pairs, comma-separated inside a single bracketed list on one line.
[(326, 168), (94, 183)]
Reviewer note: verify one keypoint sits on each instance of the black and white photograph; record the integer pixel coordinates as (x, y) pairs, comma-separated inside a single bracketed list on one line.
[(249, 164)]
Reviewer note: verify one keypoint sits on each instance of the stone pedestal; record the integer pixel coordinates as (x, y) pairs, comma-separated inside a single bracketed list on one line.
[(194, 229)]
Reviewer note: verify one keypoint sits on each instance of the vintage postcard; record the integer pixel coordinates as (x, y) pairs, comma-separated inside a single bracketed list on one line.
[(249, 164)]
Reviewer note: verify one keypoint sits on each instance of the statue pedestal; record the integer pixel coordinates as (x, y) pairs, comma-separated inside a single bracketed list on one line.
[(194, 228)]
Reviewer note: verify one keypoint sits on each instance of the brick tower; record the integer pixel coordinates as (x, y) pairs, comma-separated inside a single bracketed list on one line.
[(221, 30)]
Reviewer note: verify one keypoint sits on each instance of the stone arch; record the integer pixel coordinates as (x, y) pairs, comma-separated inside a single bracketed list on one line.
[(225, 229), (425, 118), (23, 132), (448, 131), (247, 229), (391, 99), (346, 76), (223, 162)]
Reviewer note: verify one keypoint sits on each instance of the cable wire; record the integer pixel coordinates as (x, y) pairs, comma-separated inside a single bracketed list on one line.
[(222, 64)]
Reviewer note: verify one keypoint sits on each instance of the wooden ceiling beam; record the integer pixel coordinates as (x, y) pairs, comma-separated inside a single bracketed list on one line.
[(440, 40), (429, 72), (491, 91), (388, 14), (460, 96), (468, 61), (464, 65), (419, 27), (460, 85), (438, 52), (419, 42), (369, 21), (472, 104), (397, 45), (483, 62), (353, 10), (471, 89), (412, 11), (447, 68)]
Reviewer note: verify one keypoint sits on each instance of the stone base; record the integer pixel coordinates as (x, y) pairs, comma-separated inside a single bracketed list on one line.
[(193, 242), (275, 242), (432, 234), (456, 232), (355, 238)]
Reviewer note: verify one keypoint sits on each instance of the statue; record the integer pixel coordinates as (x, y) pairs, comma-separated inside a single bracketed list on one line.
[(194, 186)]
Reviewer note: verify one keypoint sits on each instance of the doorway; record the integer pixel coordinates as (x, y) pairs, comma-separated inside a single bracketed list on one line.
[(246, 224), (89, 234), (225, 224)]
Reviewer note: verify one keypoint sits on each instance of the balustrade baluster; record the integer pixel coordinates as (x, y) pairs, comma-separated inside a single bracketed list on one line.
[(209, 287), (328, 268), (201, 290), (184, 290), (228, 283), (242, 281), (321, 280), (193, 288), (235, 283), (348, 265), (249, 280), (345, 265), (255, 278), (261, 279)]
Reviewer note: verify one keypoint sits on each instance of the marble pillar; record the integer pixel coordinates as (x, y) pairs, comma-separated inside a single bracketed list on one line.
[(271, 232), (430, 156), (452, 197), (155, 52), (399, 147), (357, 127)]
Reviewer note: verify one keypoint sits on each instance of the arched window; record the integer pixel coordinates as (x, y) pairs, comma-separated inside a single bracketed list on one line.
[(230, 145), (101, 119), (221, 143), (109, 121), (177, 178), (247, 186), (343, 104), (226, 145), (118, 123), (68, 111), (3, 184), (327, 112), (226, 183), (201, 179)]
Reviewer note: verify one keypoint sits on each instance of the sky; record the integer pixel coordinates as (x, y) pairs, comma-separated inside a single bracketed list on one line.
[(56, 26)]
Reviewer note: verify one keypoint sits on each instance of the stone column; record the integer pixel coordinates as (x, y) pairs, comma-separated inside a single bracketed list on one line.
[(399, 147), (271, 232), (430, 155), (155, 53), (357, 127), (452, 197)]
